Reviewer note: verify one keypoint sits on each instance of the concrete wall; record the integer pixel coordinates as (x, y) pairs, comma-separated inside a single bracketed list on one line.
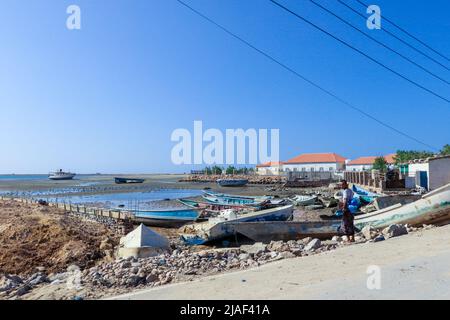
[(439, 174)]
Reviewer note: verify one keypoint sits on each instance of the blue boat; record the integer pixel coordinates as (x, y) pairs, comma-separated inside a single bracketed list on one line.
[(234, 200), (172, 218), (232, 182)]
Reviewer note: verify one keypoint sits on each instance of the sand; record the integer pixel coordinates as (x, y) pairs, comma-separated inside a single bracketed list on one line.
[(34, 236), (414, 266)]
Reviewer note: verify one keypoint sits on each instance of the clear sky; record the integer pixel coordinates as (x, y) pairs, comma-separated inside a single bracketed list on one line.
[(106, 98)]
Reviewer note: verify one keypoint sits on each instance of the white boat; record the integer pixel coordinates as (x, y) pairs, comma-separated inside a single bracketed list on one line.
[(299, 200), (61, 175), (432, 208)]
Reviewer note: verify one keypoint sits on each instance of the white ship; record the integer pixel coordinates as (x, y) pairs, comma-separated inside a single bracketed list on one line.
[(61, 175)]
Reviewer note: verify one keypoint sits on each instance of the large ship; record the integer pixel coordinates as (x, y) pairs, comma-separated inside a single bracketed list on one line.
[(61, 175)]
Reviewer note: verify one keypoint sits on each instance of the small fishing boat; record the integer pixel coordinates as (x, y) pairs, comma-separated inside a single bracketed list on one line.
[(226, 199), (171, 218), (215, 228), (232, 182), (61, 175), (128, 180), (300, 200), (432, 208)]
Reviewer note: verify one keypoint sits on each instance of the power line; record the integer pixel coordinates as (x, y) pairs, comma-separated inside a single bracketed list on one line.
[(379, 42), (360, 52), (408, 33), (284, 66), (396, 37)]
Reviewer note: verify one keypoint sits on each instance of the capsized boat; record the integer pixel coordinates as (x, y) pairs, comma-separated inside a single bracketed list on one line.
[(232, 182), (171, 218), (215, 228)]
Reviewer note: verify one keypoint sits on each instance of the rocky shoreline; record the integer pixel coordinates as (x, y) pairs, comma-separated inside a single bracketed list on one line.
[(181, 264)]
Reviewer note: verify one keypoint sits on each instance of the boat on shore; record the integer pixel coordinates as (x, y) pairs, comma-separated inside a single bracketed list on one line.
[(61, 175), (230, 200), (232, 182), (168, 218), (432, 208), (216, 228), (119, 180)]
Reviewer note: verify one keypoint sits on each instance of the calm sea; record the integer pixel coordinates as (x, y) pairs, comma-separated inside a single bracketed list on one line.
[(22, 177)]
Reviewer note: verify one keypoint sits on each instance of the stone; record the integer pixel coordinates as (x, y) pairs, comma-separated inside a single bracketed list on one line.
[(244, 256), (41, 278), (151, 278), (307, 240), (23, 290), (336, 239), (379, 238), (395, 230), (313, 245), (369, 232), (254, 249)]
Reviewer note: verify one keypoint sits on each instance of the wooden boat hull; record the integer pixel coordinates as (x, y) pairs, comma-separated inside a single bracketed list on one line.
[(212, 231), (432, 208), (166, 218), (283, 230)]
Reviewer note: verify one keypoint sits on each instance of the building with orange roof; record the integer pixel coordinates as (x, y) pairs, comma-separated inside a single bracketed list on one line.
[(366, 163), (272, 168), (315, 162)]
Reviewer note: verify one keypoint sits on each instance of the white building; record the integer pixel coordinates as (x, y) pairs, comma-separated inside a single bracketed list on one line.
[(366, 163), (430, 173), (270, 168), (315, 162)]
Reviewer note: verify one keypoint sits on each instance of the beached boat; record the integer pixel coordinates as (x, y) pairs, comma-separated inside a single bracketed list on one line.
[(226, 199), (432, 208), (171, 218), (266, 231), (232, 182), (61, 175), (128, 180), (215, 228), (300, 200)]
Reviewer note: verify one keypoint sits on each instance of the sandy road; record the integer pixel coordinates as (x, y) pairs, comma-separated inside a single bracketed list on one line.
[(415, 266)]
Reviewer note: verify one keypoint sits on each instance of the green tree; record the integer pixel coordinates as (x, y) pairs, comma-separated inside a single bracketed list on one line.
[(446, 150), (380, 164), (404, 156), (231, 170)]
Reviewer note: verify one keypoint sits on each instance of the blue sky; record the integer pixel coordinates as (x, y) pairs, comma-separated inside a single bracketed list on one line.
[(106, 98)]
